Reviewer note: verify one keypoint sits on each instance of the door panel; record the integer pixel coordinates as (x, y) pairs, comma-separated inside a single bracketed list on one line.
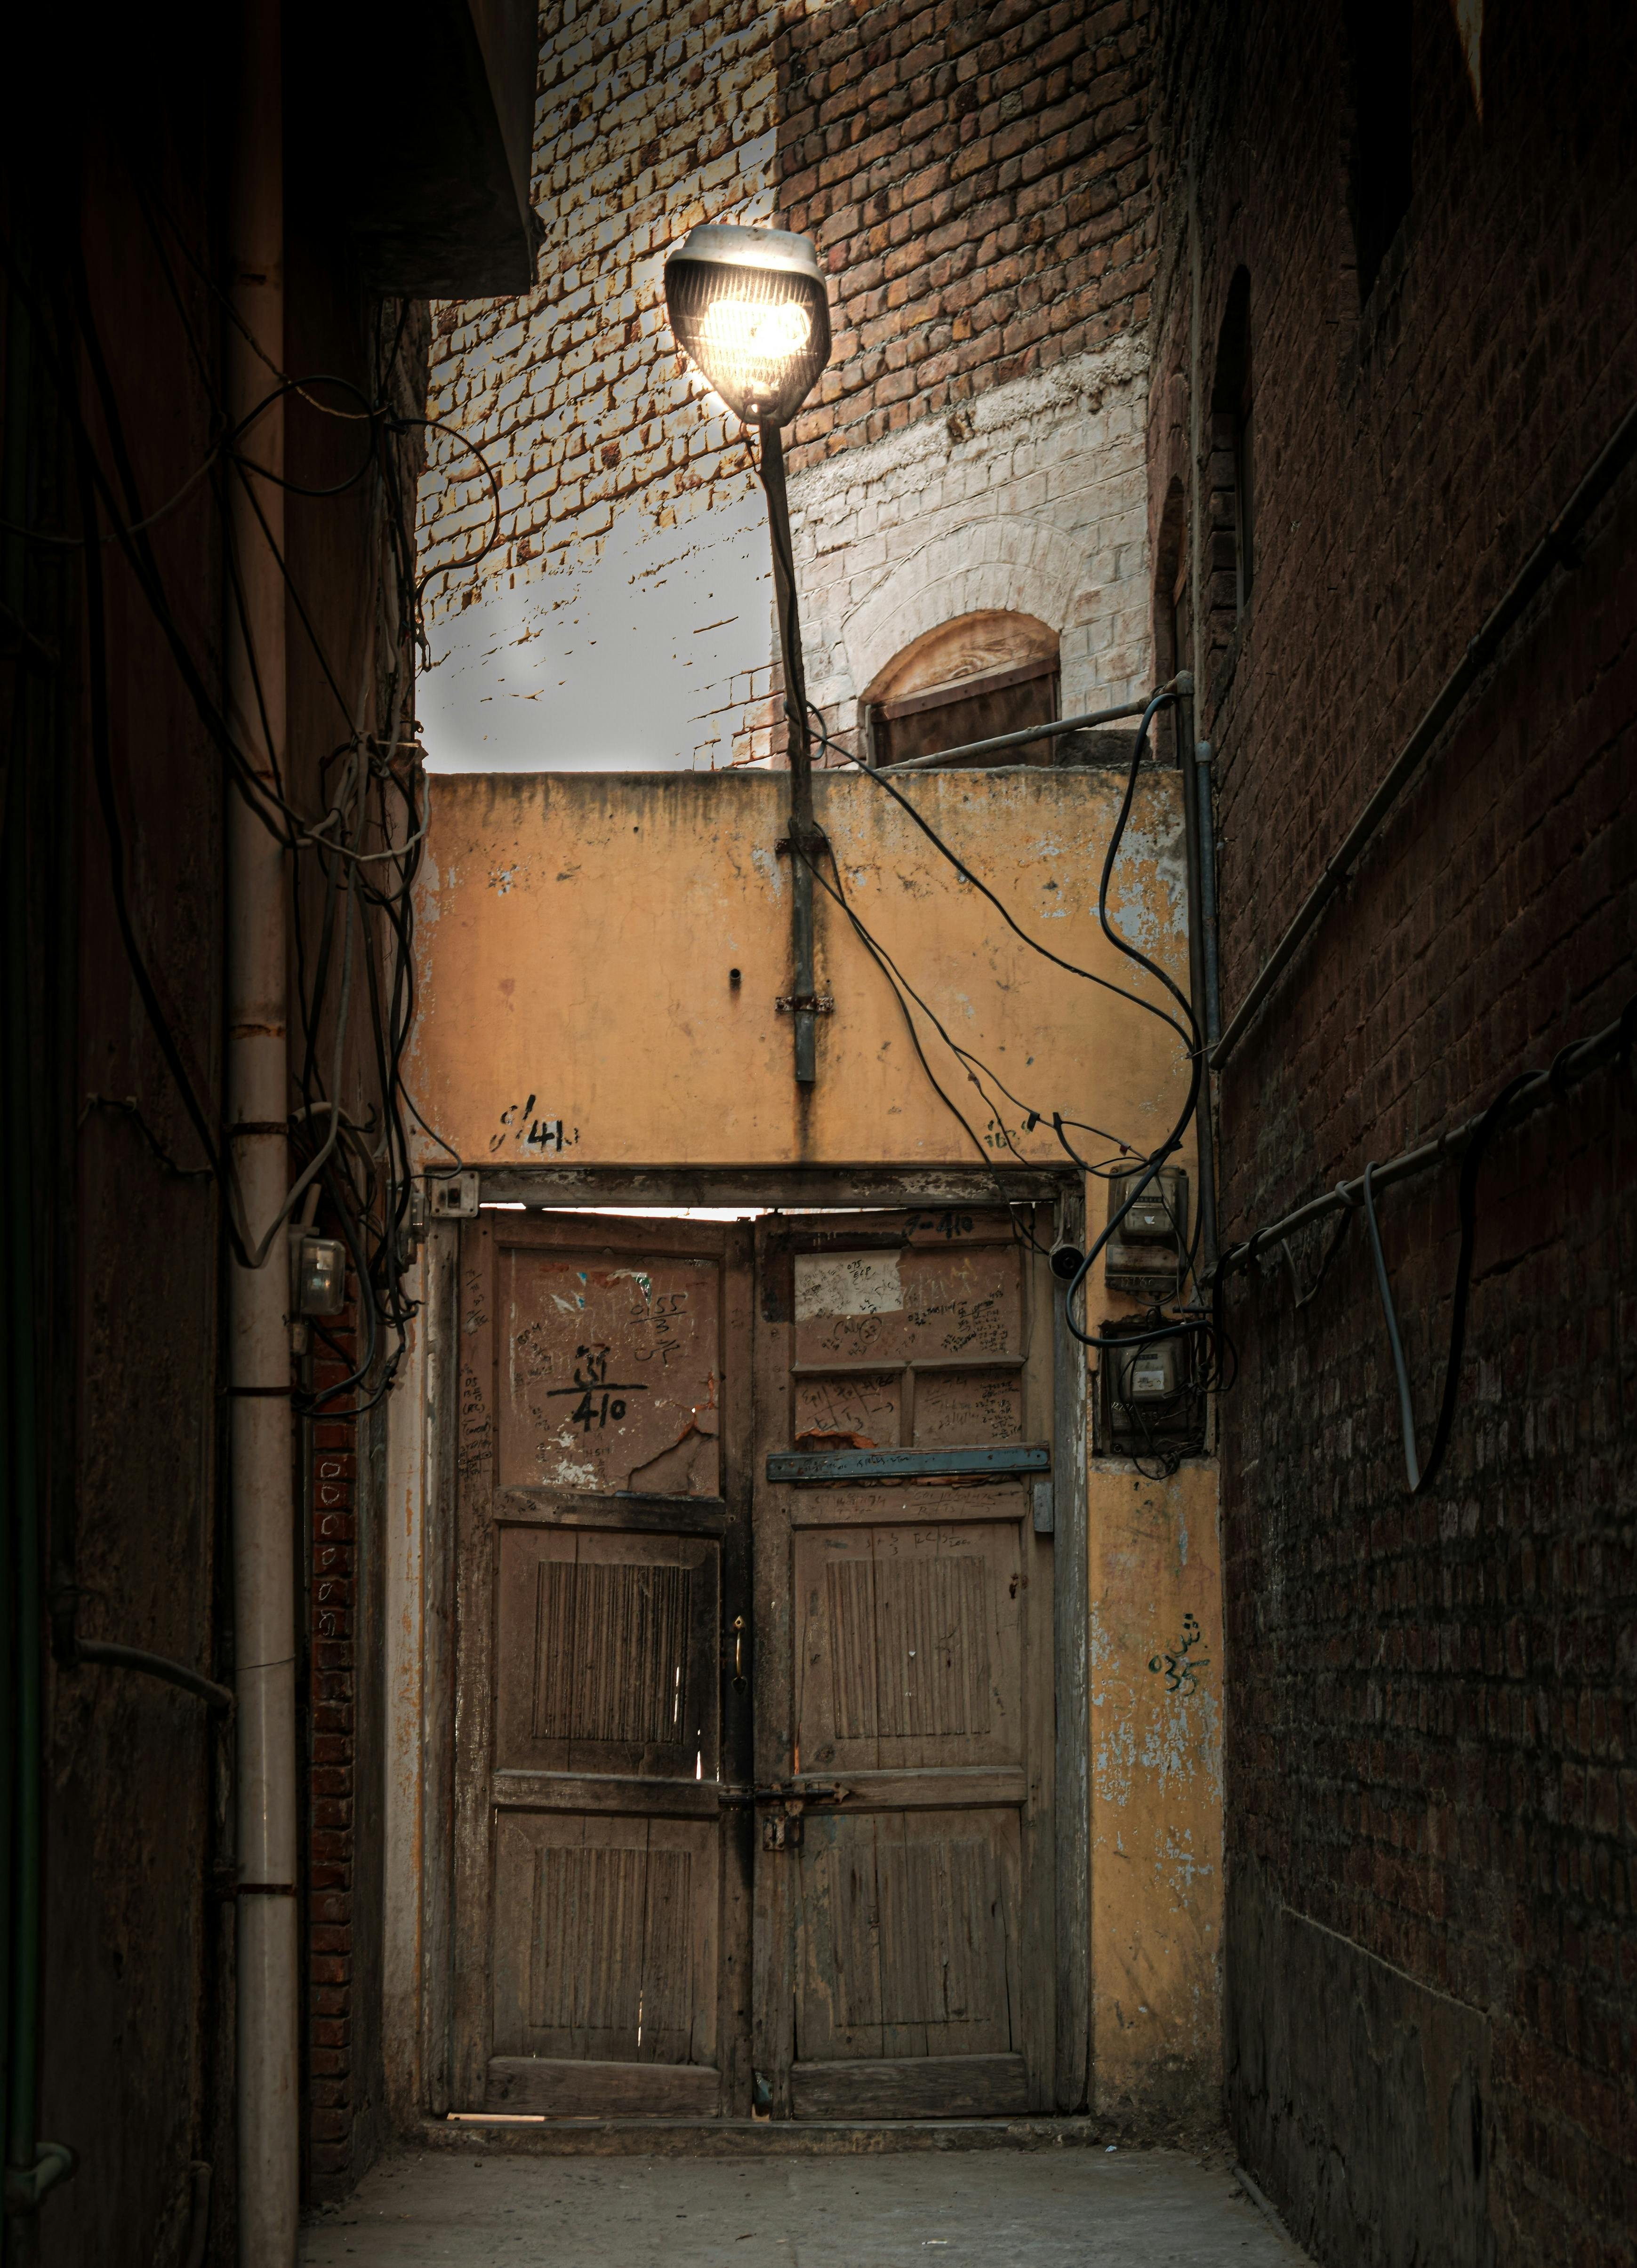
[(602, 1882), (610, 1371), (903, 1689), (907, 1653), (606, 1944), (907, 1934), (608, 1652)]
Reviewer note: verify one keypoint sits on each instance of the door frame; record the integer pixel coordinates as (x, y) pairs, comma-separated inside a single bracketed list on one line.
[(421, 1822)]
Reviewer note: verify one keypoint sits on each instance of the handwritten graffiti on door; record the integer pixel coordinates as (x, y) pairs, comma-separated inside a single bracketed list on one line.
[(610, 1368)]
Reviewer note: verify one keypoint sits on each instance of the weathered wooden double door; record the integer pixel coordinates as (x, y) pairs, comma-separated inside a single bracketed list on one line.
[(753, 1719)]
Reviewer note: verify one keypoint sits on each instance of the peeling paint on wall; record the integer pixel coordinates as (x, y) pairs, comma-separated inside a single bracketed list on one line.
[(628, 1030)]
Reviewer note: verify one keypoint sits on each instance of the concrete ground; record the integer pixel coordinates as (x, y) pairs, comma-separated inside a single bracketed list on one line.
[(1035, 2209)]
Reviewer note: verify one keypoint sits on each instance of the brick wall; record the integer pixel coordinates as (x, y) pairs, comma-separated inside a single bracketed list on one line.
[(1431, 1816), (976, 178), (1029, 500), (628, 520), (344, 2120)]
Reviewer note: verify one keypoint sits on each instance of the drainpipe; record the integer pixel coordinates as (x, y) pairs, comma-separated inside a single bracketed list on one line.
[(1197, 775), (261, 1456)]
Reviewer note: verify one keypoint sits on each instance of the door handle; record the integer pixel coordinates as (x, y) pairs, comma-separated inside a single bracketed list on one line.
[(739, 1642)]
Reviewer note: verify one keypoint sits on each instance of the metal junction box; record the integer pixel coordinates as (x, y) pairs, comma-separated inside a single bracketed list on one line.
[(1147, 1253), (1150, 1402)]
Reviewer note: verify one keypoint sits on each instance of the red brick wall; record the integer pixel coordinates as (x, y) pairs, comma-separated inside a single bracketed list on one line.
[(344, 2112), (332, 1718), (1431, 1716), (977, 179)]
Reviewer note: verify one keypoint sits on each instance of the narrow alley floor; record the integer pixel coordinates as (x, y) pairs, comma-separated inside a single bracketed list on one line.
[(1076, 2208)]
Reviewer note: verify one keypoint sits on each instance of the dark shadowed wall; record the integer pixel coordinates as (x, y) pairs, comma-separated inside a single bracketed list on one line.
[(1394, 329)]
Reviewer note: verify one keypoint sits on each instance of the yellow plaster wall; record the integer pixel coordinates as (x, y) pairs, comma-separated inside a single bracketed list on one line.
[(1156, 1789), (576, 932)]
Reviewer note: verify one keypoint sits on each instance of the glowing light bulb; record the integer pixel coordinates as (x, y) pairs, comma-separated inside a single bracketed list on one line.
[(747, 306), (768, 336)]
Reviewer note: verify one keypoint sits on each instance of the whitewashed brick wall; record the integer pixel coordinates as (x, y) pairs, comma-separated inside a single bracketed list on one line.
[(624, 619), (1033, 498), (620, 477)]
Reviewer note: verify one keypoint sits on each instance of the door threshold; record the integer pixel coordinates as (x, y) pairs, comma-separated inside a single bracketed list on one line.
[(473, 2134)]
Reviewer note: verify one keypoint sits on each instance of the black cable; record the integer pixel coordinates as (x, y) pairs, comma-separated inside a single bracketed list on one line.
[(1418, 1478), (1034, 1117), (960, 867), (1336, 1238), (1151, 1165), (130, 1108), (102, 773), (356, 1209), (1401, 1374), (1148, 1166)]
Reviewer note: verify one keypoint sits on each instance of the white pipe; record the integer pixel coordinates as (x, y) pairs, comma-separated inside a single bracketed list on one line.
[(257, 1081)]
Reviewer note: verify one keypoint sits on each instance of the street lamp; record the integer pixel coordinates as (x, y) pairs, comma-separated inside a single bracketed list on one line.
[(748, 309)]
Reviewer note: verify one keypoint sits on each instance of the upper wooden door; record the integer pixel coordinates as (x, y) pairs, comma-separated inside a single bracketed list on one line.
[(903, 1680), (601, 1914)]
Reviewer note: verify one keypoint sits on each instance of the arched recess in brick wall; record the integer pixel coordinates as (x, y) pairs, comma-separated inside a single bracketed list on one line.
[(994, 670), (1173, 615), (1231, 530), (1002, 565)]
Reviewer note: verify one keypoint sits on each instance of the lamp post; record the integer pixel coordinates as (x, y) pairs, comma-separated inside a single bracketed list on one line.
[(748, 309)]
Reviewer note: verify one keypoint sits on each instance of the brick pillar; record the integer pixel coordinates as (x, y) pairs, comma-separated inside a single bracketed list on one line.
[(332, 1722)]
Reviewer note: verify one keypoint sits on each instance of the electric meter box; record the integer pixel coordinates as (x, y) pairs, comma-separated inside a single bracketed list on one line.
[(1146, 1252), (1149, 1399), (319, 1272)]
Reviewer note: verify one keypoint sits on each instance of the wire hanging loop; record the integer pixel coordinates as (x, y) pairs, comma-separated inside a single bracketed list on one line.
[(1420, 1478), (1406, 1407)]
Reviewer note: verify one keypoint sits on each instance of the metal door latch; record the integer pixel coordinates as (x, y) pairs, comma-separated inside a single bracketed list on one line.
[(781, 1808)]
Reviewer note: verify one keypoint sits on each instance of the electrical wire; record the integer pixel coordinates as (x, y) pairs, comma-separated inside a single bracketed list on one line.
[(1401, 1374), (1418, 1477), (1206, 1327), (366, 1172)]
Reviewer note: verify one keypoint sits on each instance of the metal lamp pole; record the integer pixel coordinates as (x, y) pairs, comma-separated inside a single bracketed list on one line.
[(749, 307), (806, 842)]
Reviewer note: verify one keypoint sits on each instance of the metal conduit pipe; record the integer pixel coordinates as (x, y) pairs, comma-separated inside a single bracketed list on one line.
[(262, 1458), (1573, 1063), (1021, 739)]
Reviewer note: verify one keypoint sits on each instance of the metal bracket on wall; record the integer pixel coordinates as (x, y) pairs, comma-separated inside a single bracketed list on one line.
[(805, 1004)]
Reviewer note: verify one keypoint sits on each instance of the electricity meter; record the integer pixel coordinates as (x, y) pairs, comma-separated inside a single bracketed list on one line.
[(321, 1274), (1146, 1252), (1150, 1402), (1147, 1375)]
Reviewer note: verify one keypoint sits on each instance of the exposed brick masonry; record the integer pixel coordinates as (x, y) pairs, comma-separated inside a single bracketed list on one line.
[(1431, 1735), (652, 117), (975, 179), (333, 2091)]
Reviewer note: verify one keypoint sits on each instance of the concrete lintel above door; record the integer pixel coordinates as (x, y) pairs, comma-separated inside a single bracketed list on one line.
[(792, 1187)]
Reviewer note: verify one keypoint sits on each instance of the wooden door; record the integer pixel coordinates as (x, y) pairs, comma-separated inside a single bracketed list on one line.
[(903, 1667), (602, 1891)]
